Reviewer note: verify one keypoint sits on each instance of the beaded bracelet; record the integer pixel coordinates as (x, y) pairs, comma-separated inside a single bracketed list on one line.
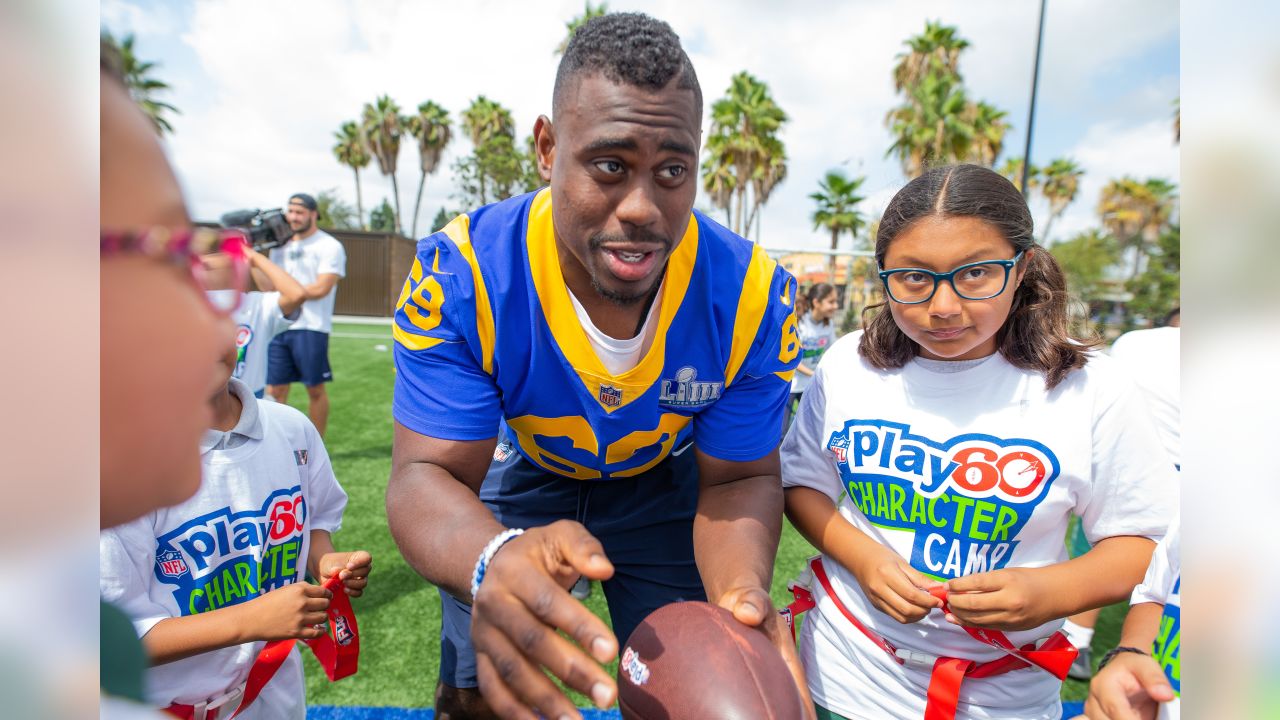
[(486, 557), (1113, 652)]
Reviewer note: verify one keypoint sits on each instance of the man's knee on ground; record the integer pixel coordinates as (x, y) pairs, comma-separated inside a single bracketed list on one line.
[(461, 704)]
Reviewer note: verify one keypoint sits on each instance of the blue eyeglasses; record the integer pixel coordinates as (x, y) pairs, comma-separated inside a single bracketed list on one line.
[(980, 280)]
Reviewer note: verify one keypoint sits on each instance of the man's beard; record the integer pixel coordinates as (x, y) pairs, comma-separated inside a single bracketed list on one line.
[(617, 297), (304, 229), (623, 299)]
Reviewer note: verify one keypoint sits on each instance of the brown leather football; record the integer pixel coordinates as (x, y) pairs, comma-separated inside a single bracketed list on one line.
[(694, 661)]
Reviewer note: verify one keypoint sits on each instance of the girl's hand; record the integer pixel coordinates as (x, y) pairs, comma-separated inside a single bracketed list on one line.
[(296, 610), (1010, 599), (1130, 687), (352, 567), (893, 586)]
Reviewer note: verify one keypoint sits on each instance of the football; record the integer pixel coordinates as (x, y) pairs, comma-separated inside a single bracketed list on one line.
[(694, 660)]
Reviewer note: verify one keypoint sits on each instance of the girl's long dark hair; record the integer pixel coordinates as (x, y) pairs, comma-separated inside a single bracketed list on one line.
[(807, 298), (1036, 335)]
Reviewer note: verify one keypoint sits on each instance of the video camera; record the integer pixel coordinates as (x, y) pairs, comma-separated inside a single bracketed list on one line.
[(267, 228)]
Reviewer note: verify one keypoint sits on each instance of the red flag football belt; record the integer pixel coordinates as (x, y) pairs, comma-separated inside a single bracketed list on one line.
[(338, 651), (1054, 655)]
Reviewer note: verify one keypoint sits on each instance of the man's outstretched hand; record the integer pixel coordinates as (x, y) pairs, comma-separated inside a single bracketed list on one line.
[(522, 601), (752, 606)]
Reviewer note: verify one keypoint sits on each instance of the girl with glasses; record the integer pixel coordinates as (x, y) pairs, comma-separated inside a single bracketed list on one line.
[(935, 461)]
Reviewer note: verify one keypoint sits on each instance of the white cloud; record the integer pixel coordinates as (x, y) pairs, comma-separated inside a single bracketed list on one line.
[(276, 80), (1106, 153), (122, 17)]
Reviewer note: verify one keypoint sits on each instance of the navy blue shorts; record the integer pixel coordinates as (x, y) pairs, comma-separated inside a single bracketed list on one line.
[(299, 356), (645, 524)]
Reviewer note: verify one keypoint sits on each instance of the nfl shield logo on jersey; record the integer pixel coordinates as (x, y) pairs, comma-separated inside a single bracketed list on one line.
[(171, 564), (610, 396)]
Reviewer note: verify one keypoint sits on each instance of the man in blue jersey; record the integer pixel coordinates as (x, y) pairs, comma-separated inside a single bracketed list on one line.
[(602, 369)]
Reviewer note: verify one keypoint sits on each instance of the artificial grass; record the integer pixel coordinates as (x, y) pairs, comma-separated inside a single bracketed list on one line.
[(399, 614)]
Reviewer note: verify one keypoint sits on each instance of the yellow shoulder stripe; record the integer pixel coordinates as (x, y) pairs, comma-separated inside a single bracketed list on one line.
[(459, 231), (751, 306)]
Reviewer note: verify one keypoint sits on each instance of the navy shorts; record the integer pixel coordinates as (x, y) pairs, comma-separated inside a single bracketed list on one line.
[(645, 524), (299, 356)]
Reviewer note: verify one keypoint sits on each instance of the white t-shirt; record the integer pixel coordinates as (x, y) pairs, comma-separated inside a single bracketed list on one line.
[(306, 260), (619, 356), (963, 472), (1163, 584), (814, 341), (245, 532), (1152, 357), (258, 319)]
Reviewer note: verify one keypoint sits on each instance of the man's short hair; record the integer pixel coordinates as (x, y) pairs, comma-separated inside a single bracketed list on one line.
[(304, 200), (627, 48)]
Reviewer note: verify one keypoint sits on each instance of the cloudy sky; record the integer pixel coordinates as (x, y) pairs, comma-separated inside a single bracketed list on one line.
[(262, 86)]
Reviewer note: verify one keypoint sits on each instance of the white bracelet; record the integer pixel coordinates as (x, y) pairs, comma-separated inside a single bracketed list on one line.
[(486, 556)]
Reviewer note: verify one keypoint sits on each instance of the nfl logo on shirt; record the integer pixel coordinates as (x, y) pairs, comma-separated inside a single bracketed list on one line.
[(610, 396), (839, 447), (171, 564)]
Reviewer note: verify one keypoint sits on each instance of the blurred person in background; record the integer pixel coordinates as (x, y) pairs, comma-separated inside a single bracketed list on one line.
[(261, 316), (1152, 358), (1142, 676), (814, 308), (301, 353)]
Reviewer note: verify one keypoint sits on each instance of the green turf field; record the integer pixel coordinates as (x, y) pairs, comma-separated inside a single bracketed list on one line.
[(400, 613)]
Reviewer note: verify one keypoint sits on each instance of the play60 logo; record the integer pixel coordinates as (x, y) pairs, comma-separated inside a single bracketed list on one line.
[(976, 465)]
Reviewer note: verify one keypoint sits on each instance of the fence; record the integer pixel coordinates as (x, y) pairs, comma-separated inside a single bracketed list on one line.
[(377, 264)]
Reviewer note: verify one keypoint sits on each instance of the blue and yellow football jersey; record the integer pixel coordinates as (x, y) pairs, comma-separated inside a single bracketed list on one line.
[(486, 333)]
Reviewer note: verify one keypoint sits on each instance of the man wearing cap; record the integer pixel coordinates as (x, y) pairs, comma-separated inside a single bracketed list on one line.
[(301, 354)]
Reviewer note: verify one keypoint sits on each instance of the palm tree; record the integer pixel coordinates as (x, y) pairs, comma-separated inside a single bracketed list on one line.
[(764, 178), (352, 152), (432, 129), (719, 180), (1012, 170), (744, 126), (837, 211), (989, 127), (383, 126), (484, 120), (1135, 213), (1060, 185), (588, 12), (936, 50), (932, 127), (142, 87)]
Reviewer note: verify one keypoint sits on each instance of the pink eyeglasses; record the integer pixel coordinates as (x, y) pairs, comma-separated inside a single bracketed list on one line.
[(218, 259)]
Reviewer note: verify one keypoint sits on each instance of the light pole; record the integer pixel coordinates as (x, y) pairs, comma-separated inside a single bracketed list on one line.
[(1031, 113)]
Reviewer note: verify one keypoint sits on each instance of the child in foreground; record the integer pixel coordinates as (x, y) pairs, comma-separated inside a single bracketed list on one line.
[(210, 581), (941, 451)]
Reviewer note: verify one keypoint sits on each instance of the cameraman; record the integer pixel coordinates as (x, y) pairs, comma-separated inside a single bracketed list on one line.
[(301, 353)]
